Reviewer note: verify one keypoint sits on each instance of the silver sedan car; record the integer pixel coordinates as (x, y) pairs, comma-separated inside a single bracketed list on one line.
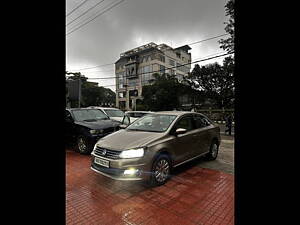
[(151, 146)]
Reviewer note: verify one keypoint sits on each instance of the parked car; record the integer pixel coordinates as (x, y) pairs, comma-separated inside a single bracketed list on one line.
[(112, 113), (85, 127), (134, 115), (150, 147)]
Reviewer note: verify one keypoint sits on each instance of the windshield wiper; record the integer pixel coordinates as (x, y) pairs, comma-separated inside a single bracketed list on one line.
[(90, 120)]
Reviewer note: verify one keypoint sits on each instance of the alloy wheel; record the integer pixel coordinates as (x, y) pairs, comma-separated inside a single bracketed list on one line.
[(162, 170), (214, 150), (81, 145)]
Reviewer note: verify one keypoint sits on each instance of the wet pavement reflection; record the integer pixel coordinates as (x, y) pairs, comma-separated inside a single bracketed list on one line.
[(193, 195)]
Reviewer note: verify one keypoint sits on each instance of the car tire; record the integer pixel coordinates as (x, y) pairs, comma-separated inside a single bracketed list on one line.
[(82, 145), (213, 151), (161, 170)]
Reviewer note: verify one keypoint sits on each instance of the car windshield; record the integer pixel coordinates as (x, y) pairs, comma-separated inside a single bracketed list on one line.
[(114, 113), (89, 115), (152, 123)]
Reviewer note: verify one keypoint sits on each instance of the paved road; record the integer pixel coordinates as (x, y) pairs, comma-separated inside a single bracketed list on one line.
[(225, 159)]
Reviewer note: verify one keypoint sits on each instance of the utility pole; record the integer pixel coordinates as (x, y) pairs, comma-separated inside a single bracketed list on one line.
[(79, 90)]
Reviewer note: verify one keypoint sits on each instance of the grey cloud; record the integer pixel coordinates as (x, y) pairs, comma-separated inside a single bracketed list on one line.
[(141, 21)]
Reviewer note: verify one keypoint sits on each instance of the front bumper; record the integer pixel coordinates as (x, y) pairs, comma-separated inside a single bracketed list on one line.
[(118, 166)]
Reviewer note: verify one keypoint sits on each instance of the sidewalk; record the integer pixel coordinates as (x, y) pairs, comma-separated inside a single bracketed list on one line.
[(223, 127), (193, 196)]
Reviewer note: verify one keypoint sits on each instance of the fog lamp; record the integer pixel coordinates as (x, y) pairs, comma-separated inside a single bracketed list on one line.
[(131, 171)]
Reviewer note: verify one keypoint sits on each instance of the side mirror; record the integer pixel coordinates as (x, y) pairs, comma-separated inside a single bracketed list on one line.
[(125, 121), (180, 131)]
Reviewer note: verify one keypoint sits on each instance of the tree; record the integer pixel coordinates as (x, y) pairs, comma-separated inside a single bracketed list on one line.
[(162, 94), (228, 44), (91, 93), (215, 81)]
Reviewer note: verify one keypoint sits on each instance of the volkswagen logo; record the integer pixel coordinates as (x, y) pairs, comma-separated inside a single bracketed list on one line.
[(104, 152)]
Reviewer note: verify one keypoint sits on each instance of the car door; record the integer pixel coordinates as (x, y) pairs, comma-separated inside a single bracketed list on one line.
[(183, 144), (202, 134)]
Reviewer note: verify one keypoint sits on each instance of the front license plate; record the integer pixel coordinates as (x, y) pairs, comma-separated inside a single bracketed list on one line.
[(102, 162)]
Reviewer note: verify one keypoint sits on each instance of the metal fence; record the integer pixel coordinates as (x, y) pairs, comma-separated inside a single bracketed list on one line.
[(217, 115)]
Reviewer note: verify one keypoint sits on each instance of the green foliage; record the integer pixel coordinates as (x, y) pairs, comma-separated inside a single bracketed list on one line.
[(164, 94), (228, 44), (91, 93), (215, 81)]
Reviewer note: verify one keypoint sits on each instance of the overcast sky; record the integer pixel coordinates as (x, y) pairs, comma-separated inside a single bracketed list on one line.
[(133, 23)]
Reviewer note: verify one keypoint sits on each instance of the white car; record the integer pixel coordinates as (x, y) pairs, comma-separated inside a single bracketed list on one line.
[(134, 115), (112, 113)]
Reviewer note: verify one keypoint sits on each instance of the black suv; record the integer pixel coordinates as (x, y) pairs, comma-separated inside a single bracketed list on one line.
[(86, 126)]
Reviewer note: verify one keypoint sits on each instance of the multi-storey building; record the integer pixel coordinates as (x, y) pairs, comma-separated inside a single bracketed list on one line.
[(136, 67)]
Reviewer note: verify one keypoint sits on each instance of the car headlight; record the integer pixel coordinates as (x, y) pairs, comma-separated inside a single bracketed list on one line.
[(96, 131), (132, 153)]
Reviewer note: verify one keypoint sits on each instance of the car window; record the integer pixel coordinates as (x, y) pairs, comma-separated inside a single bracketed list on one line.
[(129, 114), (201, 121), (186, 123), (152, 123), (89, 114), (136, 114), (114, 113)]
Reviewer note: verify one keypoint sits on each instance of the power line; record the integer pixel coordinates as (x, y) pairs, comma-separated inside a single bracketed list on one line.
[(162, 51), (139, 74), (208, 39), (152, 64), (85, 12), (95, 14), (96, 17), (111, 85), (86, 19), (76, 8), (95, 67)]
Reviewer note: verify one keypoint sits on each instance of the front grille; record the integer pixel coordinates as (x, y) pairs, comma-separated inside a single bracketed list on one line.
[(110, 171), (110, 154)]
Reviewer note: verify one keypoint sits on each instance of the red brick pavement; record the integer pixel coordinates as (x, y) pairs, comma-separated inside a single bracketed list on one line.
[(194, 196)]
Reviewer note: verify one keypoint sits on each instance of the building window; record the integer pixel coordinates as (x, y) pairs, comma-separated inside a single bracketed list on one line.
[(146, 69), (132, 82), (161, 58), (171, 62), (162, 69)]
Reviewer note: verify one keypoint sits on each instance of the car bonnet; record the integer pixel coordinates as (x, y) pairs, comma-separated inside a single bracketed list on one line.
[(124, 139)]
